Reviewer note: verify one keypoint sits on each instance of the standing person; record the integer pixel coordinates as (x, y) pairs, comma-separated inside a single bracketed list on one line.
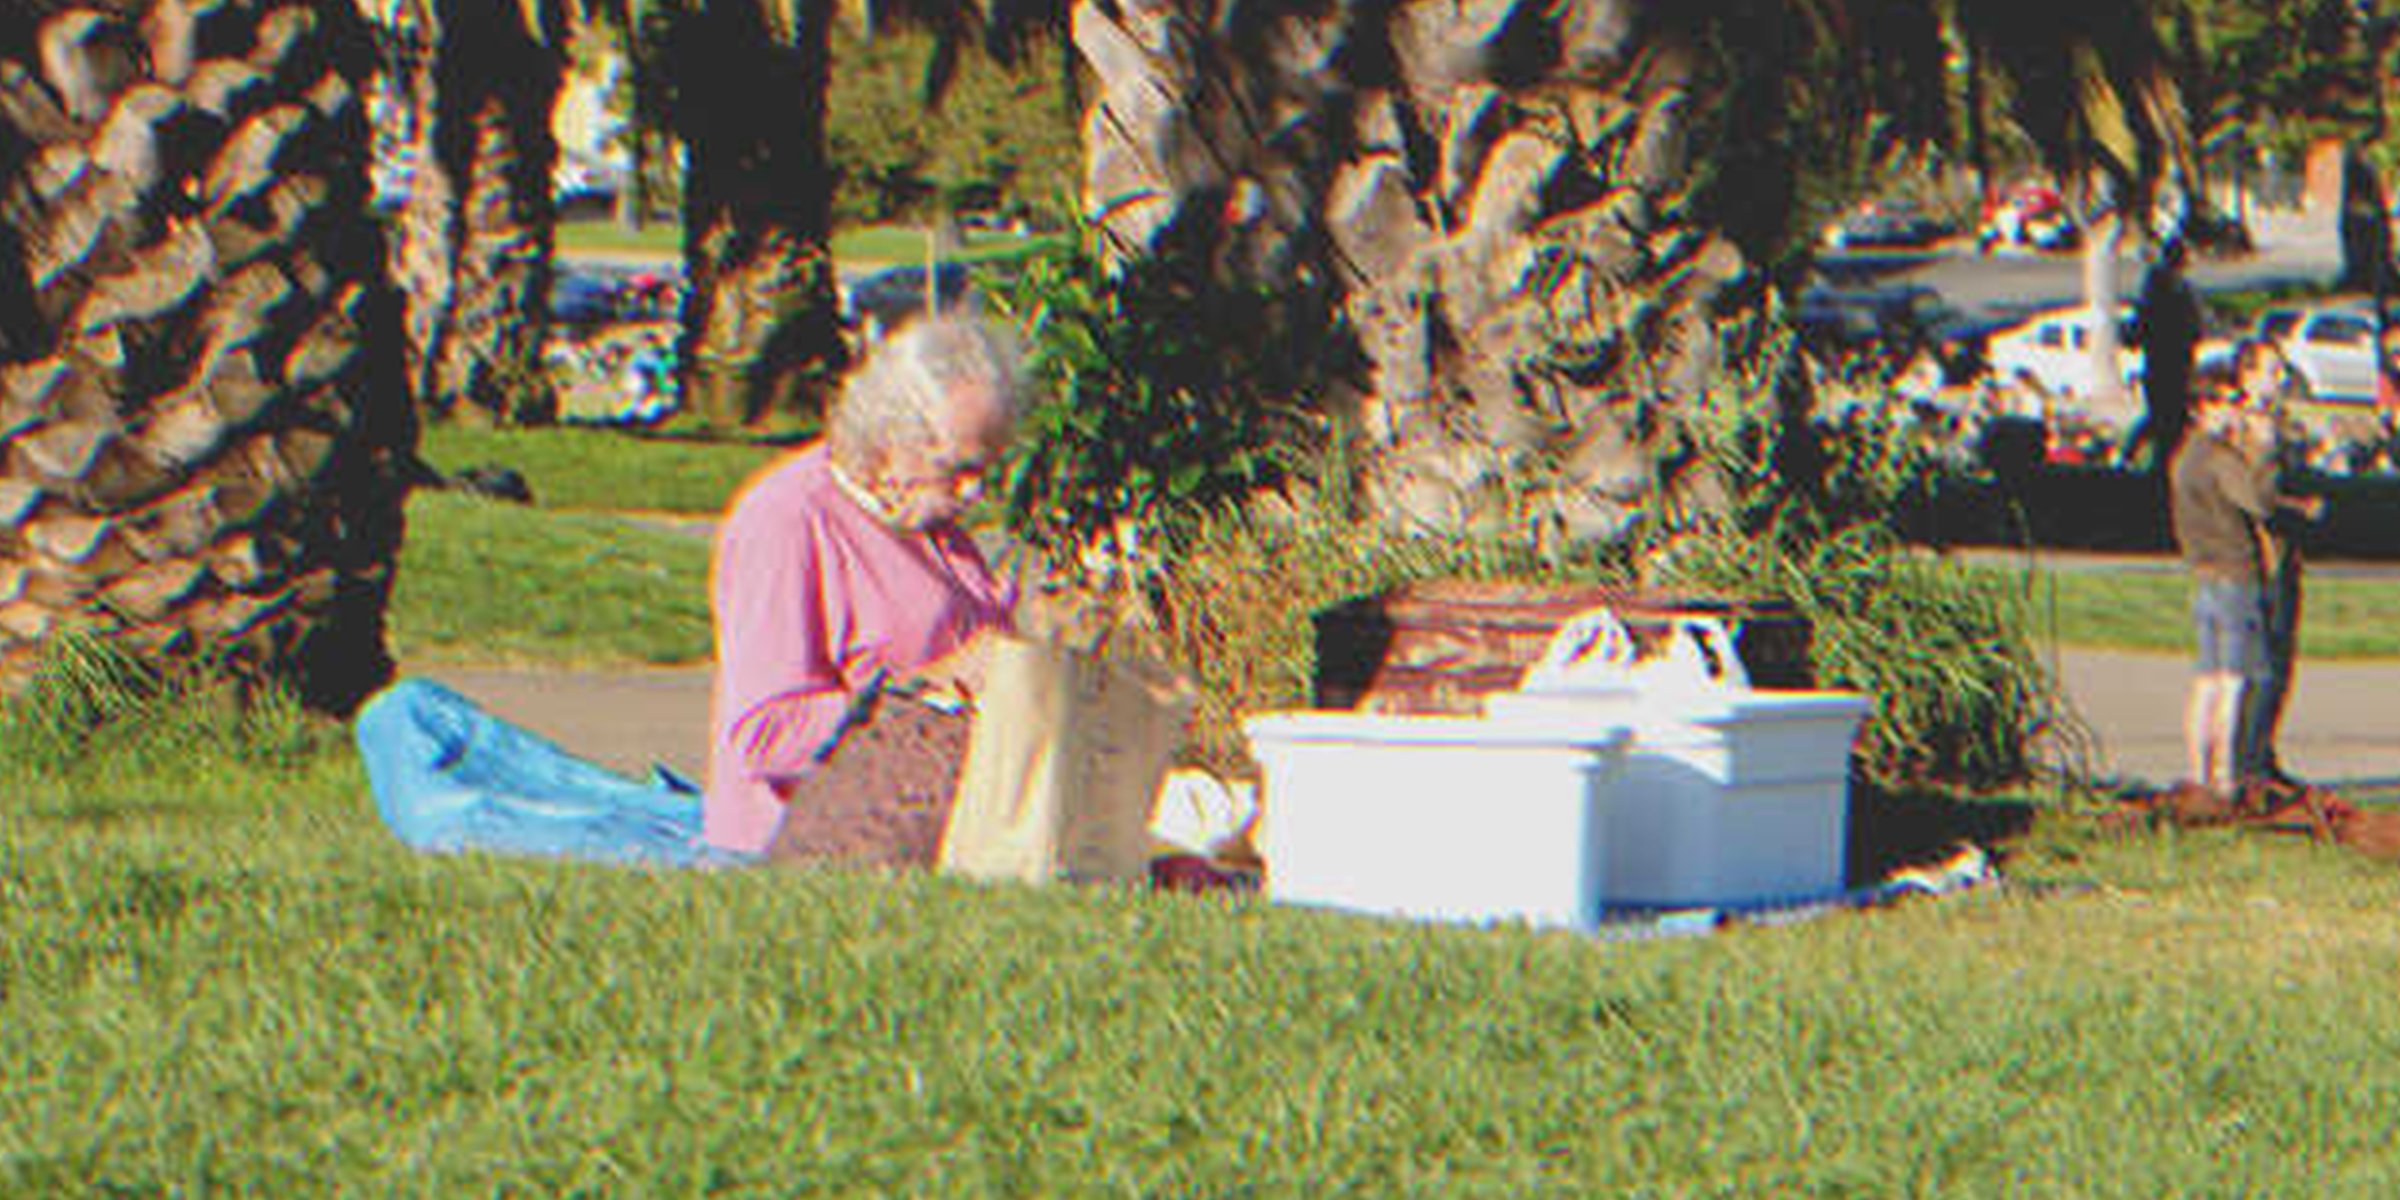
[(2262, 707), (2220, 492), (2167, 327), (843, 564)]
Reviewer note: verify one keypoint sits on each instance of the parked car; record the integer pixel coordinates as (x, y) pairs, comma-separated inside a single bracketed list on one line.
[(579, 186), (2215, 352), (2333, 352), (582, 301), (2275, 324), (2053, 351), (1885, 224), (2217, 233), (1848, 318), (2032, 215), (881, 301)]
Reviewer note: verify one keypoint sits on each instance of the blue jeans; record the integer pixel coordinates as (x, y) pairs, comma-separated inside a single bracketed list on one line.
[(2263, 704)]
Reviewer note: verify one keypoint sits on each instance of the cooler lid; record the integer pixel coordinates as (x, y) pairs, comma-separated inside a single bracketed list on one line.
[(1384, 729)]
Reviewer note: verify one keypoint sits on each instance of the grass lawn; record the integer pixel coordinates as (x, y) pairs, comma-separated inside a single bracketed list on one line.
[(607, 568), (866, 247), (485, 582), (660, 240), (221, 977), (2148, 607), (587, 468), (898, 245), (218, 975)]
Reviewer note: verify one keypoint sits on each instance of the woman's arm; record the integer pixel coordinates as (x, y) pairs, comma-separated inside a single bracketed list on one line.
[(780, 737), (781, 681)]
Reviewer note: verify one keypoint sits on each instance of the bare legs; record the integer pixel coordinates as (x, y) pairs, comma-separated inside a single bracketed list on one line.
[(2210, 722)]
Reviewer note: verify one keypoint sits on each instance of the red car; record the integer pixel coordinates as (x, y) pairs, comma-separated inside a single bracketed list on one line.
[(2029, 214)]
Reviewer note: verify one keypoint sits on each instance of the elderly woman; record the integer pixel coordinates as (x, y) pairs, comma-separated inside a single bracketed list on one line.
[(843, 563)]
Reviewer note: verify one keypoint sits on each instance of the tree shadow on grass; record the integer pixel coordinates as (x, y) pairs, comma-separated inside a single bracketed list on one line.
[(1889, 831)]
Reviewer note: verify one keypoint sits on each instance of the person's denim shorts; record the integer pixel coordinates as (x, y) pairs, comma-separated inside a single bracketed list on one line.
[(2231, 620)]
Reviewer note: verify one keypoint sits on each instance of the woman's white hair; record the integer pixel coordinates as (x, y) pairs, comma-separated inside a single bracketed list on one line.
[(892, 398)]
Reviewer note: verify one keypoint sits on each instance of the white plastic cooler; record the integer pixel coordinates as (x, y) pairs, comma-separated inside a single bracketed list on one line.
[(1737, 797), (1453, 818)]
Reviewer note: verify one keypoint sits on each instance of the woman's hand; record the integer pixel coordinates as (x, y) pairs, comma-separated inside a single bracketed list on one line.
[(957, 675)]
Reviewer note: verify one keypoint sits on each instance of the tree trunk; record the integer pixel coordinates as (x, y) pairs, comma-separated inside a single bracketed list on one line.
[(480, 226), (1494, 195), (424, 234), (2365, 227), (2104, 240), (199, 358), (760, 329), (633, 198)]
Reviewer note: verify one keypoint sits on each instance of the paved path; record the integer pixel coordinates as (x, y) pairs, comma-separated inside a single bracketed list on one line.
[(624, 720), (2343, 727)]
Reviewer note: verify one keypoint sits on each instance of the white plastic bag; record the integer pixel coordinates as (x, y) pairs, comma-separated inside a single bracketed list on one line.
[(1201, 814), (1593, 653), (1696, 661)]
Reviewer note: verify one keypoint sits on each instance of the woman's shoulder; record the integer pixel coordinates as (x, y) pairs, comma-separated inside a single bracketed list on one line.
[(786, 490), (798, 474)]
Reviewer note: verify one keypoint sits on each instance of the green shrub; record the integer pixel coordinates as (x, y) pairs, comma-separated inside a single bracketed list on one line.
[(1960, 695), (1158, 397), (1168, 408), (1961, 698)]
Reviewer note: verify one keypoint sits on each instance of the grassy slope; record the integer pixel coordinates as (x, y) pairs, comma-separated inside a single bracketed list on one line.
[(864, 248), (2147, 607), (486, 582), (572, 468), (573, 580), (226, 980)]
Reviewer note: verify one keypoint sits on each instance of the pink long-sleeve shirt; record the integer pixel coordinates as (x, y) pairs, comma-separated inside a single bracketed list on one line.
[(812, 595)]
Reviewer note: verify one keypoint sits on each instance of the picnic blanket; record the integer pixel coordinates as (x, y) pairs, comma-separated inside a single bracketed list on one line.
[(449, 776)]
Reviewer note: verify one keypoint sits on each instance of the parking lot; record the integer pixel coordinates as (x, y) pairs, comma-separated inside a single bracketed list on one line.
[(615, 321), (1967, 337)]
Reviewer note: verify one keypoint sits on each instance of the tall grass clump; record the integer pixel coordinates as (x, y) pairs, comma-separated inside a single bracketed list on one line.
[(1233, 608), (94, 708), (1961, 697)]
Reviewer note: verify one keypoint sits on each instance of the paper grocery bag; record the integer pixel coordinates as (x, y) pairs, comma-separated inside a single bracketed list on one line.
[(1063, 765)]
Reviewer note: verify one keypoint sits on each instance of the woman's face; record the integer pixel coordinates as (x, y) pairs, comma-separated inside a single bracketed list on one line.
[(933, 482)]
